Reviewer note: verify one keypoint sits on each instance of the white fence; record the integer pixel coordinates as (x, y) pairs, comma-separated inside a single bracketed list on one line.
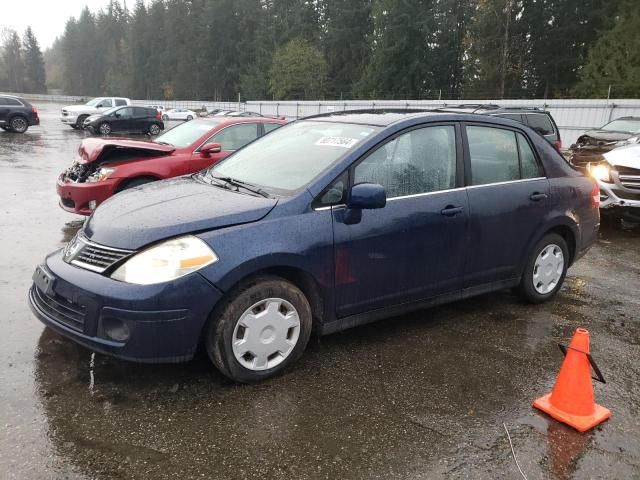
[(572, 116)]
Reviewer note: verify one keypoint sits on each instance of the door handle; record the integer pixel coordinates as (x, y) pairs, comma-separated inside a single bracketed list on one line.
[(450, 211), (537, 196)]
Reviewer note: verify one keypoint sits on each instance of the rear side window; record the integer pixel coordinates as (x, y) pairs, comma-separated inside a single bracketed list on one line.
[(10, 101), (269, 127), (540, 123), (511, 116), (499, 155), (419, 161), (236, 136), (120, 102), (494, 155)]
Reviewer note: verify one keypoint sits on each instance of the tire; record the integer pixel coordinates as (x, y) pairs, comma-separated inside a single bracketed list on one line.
[(251, 299), (6, 129), (189, 117), (135, 182), (154, 129), (80, 121), (104, 128), (74, 126), (165, 117), (548, 261), (19, 124)]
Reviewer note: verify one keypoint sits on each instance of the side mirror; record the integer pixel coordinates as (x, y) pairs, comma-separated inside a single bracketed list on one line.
[(367, 196), (210, 148)]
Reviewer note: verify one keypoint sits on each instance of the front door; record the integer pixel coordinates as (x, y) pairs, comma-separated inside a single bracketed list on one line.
[(508, 194), (123, 120), (414, 247)]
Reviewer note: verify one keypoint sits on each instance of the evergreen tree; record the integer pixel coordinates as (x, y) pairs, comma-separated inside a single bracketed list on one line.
[(13, 61), (298, 71), (34, 74), (615, 58)]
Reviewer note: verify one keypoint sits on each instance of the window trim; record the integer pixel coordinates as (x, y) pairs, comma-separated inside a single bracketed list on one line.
[(467, 154)]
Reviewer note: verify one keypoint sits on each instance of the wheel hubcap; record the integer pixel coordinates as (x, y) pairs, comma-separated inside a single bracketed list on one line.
[(548, 269), (154, 129), (104, 129), (19, 125), (266, 334)]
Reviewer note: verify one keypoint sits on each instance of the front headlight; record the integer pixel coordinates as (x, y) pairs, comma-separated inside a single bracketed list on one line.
[(100, 175), (601, 172), (166, 261)]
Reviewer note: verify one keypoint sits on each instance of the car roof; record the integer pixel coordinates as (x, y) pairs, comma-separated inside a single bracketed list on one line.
[(386, 117), (492, 108)]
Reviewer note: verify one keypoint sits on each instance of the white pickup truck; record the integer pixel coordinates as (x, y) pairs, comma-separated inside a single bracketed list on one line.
[(74, 115)]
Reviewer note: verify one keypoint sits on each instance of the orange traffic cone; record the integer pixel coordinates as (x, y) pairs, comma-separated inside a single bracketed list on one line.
[(571, 400)]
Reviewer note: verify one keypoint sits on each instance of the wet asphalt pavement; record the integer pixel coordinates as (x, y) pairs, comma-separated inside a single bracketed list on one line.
[(418, 396)]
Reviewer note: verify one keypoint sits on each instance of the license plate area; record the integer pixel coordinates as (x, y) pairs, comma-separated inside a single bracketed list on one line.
[(43, 280)]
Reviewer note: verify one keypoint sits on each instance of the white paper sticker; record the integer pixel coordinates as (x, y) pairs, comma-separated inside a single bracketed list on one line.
[(344, 142)]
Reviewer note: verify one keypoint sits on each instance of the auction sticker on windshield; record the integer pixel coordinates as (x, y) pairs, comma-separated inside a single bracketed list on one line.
[(344, 142)]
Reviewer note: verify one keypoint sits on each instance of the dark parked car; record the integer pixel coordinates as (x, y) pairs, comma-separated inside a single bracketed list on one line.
[(593, 144), (539, 120), (16, 114), (126, 119), (326, 223)]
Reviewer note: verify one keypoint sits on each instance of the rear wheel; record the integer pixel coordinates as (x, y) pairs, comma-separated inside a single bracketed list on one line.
[(19, 124), (189, 117), (546, 269), (165, 117), (104, 128), (259, 330), (154, 129)]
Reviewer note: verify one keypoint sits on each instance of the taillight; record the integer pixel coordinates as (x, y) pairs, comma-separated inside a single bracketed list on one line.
[(35, 111), (557, 144), (158, 115), (595, 195)]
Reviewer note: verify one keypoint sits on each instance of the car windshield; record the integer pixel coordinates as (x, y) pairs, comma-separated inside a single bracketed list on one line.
[(292, 156), (185, 134), (631, 125), (111, 110), (94, 102)]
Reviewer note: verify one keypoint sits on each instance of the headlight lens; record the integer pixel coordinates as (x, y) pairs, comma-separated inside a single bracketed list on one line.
[(100, 175), (601, 172), (167, 261), (628, 141)]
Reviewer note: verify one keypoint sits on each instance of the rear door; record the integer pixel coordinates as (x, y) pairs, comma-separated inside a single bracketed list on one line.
[(508, 199), (414, 247), (140, 120)]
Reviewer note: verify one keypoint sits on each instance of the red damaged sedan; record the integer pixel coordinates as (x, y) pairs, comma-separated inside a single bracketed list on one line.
[(106, 166)]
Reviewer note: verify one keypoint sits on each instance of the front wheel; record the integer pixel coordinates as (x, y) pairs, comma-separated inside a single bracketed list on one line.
[(189, 117), (259, 330), (19, 124), (104, 128), (546, 269), (80, 121), (154, 129)]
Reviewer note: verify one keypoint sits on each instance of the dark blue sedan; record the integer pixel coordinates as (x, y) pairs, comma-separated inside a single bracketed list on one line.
[(327, 223)]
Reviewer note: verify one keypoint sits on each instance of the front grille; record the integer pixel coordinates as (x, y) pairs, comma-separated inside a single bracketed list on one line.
[(629, 177), (626, 194), (92, 256), (59, 309)]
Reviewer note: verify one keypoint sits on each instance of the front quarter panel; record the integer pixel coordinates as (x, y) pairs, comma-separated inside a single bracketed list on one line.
[(302, 241)]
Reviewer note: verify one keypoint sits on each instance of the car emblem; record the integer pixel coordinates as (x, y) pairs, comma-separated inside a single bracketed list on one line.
[(72, 248)]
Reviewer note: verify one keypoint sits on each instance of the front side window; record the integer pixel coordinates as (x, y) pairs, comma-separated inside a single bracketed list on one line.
[(105, 103), (236, 136), (124, 113), (292, 156), (419, 161)]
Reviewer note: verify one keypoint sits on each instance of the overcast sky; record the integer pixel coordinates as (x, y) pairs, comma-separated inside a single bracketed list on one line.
[(46, 17)]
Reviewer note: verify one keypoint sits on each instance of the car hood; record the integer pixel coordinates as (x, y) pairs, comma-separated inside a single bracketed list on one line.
[(91, 148), (606, 135), (155, 211), (624, 157)]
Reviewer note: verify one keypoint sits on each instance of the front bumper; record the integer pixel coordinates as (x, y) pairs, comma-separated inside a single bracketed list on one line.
[(69, 119), (613, 195), (164, 321), (76, 197)]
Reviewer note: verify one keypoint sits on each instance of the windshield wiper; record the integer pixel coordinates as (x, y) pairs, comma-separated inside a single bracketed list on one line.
[(246, 185)]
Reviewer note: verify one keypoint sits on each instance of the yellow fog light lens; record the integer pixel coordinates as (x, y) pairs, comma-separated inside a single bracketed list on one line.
[(166, 261)]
